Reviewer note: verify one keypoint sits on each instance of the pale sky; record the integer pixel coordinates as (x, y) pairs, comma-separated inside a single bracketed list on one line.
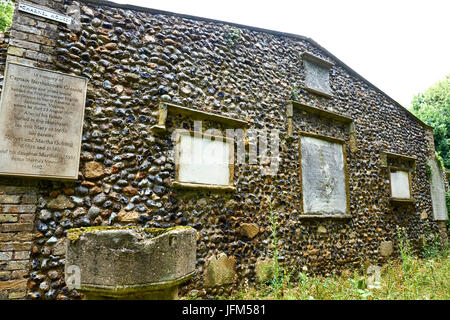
[(402, 47)]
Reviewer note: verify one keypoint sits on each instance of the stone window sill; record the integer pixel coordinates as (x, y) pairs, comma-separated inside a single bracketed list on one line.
[(212, 187), (325, 216), (404, 201), (320, 93), (320, 112), (317, 60), (165, 108)]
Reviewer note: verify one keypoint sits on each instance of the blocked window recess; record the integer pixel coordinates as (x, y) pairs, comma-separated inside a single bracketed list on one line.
[(400, 170), (317, 74), (324, 176), (203, 161)]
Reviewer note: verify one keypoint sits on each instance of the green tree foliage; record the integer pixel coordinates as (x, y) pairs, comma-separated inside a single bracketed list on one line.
[(433, 108), (6, 13)]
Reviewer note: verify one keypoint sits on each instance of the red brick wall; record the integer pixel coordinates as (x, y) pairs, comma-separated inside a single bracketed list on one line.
[(17, 212)]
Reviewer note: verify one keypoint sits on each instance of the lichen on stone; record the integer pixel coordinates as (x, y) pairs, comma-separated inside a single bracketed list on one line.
[(75, 233)]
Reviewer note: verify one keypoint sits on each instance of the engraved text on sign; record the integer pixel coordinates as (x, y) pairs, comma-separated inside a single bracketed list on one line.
[(41, 117)]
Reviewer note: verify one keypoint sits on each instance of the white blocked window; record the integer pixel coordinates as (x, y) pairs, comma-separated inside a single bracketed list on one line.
[(204, 160), (400, 181)]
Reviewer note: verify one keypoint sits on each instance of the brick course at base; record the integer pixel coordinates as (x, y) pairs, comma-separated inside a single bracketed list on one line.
[(17, 215)]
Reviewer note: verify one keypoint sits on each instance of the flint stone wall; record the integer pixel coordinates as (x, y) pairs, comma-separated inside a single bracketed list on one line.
[(135, 59)]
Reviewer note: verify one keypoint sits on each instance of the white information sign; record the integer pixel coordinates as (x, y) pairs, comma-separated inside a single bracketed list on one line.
[(48, 14)]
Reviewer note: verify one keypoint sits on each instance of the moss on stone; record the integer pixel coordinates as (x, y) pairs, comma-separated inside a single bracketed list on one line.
[(75, 233), (429, 169)]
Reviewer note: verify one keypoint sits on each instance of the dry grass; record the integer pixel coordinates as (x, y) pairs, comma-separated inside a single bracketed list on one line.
[(406, 278), (415, 279)]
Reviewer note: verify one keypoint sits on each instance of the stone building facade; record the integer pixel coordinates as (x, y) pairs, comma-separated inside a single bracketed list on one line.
[(152, 72)]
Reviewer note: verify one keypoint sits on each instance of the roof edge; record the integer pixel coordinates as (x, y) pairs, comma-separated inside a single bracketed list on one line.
[(187, 16), (274, 32), (354, 73)]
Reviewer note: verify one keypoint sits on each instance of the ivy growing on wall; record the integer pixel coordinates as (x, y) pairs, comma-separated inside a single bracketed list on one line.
[(233, 36)]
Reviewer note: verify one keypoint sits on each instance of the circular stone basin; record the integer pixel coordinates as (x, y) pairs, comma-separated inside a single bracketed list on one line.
[(130, 262)]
